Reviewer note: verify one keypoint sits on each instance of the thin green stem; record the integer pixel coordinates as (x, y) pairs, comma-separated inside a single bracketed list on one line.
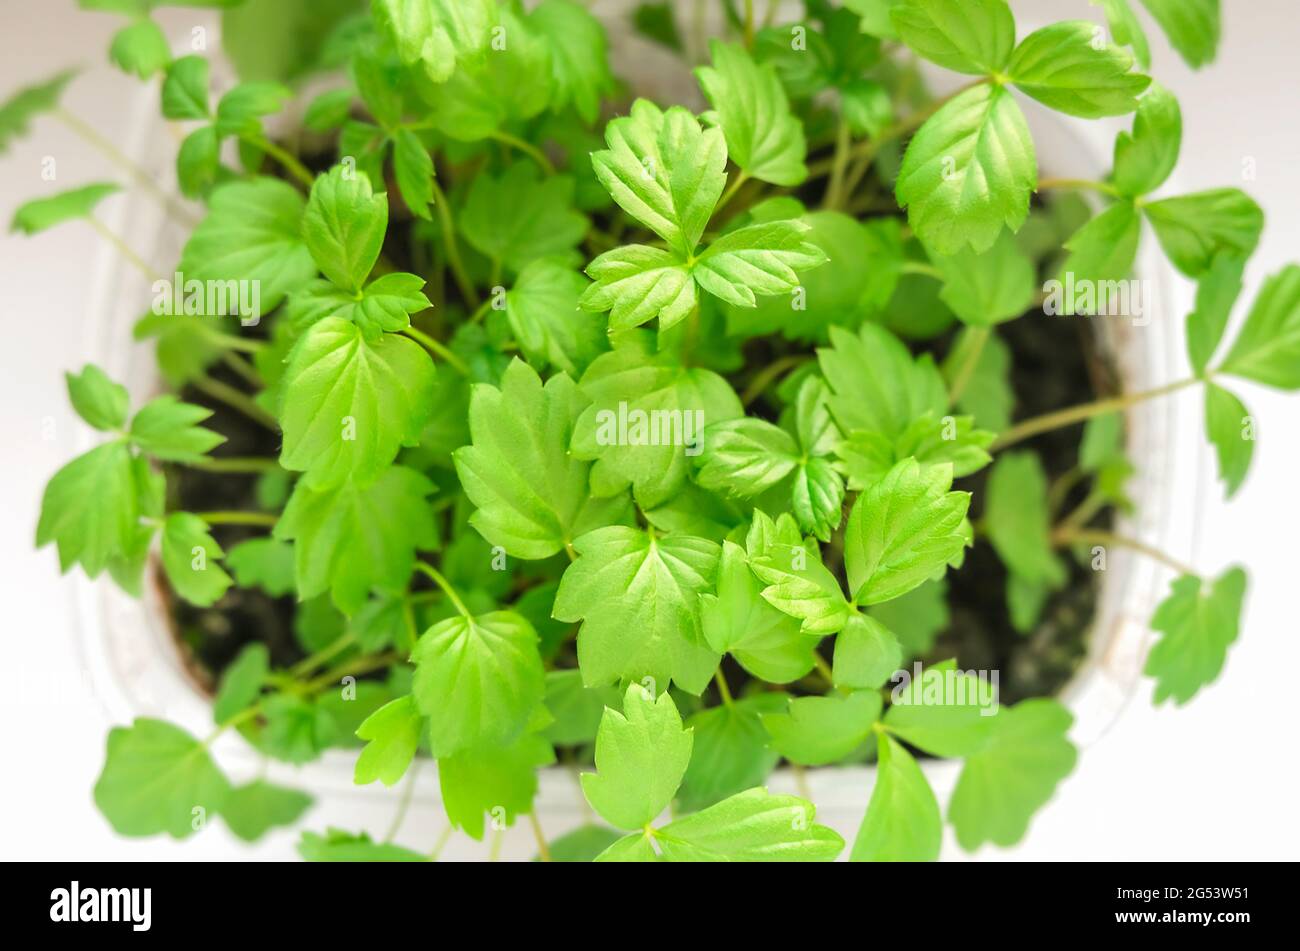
[(443, 207), (124, 249), (1078, 183), (839, 166), (532, 151), (736, 184), (258, 519), (403, 804), (438, 348), (724, 691), (976, 342), (823, 668), (441, 844), (543, 850), (286, 159), (323, 656), (438, 579), (1077, 414), (235, 399), (922, 268), (749, 24), (242, 367), (115, 155), (361, 665), (1113, 540), (234, 465), (769, 374)]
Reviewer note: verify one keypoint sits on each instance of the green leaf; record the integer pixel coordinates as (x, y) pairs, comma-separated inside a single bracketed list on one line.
[(766, 642), (814, 731), (945, 711), (583, 844), (664, 171), (297, 730), (242, 682), (165, 428), (90, 509), (763, 136), (157, 778), (97, 399), (352, 538), (339, 846), (252, 233), (502, 86), (875, 383), (577, 708), (902, 531), (731, 752), (436, 34), (254, 809), (580, 71), (1018, 519), (637, 283), (392, 734), (140, 48), (1125, 29), (1216, 294), (641, 756), (329, 110), (198, 161), (967, 36), (44, 213), (636, 847), (1231, 430), (1062, 67), (646, 418), (531, 494), (987, 396), (1014, 775), (1267, 349), (544, 312), (753, 826), (17, 112), (798, 584), (478, 680), (189, 556), (1102, 252), (746, 457), (902, 823), (265, 563), (1198, 621), (349, 405), (501, 782), (989, 288), (239, 111), (519, 217), (384, 306), (866, 654), (1191, 25), (1194, 228), (917, 617), (637, 595), (344, 226), (185, 90), (1145, 159), (867, 457), (760, 259), (969, 171), (414, 172)]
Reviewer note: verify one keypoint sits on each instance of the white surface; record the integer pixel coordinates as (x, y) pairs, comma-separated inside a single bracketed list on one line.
[(1216, 779)]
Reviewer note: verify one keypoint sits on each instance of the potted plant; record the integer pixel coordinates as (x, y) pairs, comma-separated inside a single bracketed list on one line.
[(517, 420)]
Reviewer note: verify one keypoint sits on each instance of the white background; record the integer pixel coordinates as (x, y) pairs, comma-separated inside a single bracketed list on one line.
[(1214, 780)]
